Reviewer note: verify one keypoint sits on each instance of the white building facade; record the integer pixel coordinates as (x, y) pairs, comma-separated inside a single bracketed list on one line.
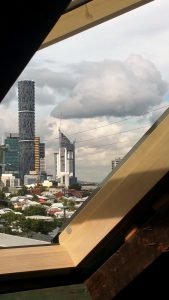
[(10, 180), (64, 161)]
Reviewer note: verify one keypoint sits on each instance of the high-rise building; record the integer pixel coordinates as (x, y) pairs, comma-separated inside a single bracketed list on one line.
[(2, 164), (115, 162), (12, 153), (26, 109), (65, 161), (37, 154), (40, 166), (55, 164), (42, 158)]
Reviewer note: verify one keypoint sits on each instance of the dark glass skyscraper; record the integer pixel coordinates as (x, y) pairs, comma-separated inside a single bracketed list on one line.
[(12, 154), (42, 150), (26, 109)]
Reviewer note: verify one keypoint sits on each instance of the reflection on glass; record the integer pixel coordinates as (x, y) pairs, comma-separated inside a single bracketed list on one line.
[(74, 292)]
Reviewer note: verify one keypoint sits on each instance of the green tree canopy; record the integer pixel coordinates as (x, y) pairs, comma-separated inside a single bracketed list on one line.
[(23, 191), (75, 186), (2, 195), (5, 189), (35, 210)]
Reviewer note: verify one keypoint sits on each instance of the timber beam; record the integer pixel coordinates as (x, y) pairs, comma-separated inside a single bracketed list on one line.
[(138, 253), (90, 14)]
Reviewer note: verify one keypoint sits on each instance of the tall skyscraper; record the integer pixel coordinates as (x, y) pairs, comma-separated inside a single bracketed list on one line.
[(26, 109), (56, 157), (1, 162), (65, 161), (37, 154), (12, 153), (42, 158)]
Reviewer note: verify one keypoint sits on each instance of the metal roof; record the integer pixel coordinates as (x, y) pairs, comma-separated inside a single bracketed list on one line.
[(7, 240)]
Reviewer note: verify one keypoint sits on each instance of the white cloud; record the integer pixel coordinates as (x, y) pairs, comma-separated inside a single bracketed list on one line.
[(8, 121), (97, 143), (50, 86), (113, 88)]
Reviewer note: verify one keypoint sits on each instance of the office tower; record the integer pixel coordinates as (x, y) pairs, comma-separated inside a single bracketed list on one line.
[(65, 161), (26, 109), (55, 165), (12, 153), (42, 158), (1, 160), (115, 162), (37, 154)]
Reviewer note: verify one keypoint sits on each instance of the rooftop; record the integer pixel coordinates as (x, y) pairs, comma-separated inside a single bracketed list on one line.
[(7, 240)]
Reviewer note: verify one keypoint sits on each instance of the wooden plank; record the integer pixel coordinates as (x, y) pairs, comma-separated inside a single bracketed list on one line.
[(27, 259), (87, 16), (123, 191), (136, 255)]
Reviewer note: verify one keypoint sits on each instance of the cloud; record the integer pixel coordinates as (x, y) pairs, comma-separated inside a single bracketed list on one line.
[(50, 86), (8, 121), (155, 115), (60, 80), (10, 96), (98, 142), (113, 88)]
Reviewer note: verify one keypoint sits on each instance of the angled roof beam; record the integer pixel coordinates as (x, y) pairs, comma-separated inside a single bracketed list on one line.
[(84, 14)]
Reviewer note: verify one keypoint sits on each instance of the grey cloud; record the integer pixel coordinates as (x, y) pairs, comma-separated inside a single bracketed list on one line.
[(60, 81), (113, 88), (50, 86), (43, 130), (10, 96), (154, 115), (45, 96), (8, 121)]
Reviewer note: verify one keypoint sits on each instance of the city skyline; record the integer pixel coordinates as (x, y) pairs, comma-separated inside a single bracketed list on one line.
[(23, 153), (86, 82)]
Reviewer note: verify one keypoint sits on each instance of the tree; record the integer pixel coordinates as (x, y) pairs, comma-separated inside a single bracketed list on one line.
[(38, 226), (23, 191), (35, 198), (64, 201), (5, 203), (75, 186), (2, 195), (35, 210), (5, 189), (71, 205), (11, 222), (18, 209)]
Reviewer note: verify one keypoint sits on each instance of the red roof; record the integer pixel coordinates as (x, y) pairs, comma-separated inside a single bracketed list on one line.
[(54, 210)]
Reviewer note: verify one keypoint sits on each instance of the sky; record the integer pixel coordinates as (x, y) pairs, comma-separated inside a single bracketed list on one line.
[(103, 88)]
